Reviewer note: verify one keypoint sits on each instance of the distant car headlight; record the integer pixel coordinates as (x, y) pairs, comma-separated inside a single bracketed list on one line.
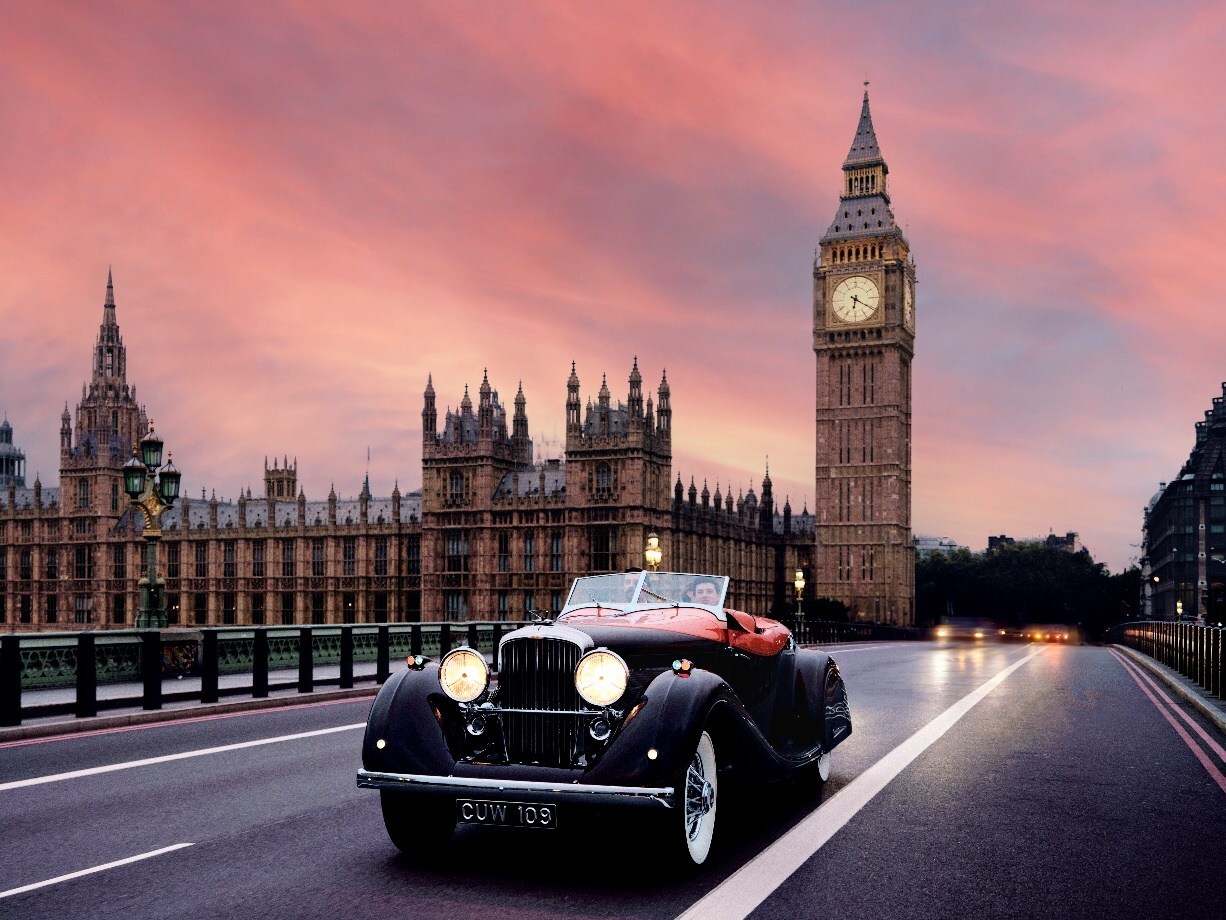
[(601, 677), (463, 675)]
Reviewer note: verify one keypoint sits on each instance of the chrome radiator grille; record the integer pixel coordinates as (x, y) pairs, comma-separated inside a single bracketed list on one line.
[(540, 674)]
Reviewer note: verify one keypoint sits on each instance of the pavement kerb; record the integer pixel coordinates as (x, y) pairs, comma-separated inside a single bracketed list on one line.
[(1184, 688), (73, 726)]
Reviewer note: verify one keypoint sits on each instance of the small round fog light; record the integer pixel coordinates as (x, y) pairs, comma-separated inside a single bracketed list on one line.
[(380, 744), (599, 729), (653, 754)]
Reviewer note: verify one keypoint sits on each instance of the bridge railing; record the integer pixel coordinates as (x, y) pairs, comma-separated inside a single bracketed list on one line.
[(275, 657), (1194, 651), (824, 631), (138, 664)]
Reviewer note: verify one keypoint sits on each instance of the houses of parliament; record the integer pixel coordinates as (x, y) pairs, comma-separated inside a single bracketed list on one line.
[(495, 532)]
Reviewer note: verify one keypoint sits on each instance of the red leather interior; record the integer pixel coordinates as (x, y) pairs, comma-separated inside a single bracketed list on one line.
[(761, 636)]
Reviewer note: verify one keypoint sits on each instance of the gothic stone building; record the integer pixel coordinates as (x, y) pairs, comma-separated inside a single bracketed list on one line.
[(864, 339), (491, 534)]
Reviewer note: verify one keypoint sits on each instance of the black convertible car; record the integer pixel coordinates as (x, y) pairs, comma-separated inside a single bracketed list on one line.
[(639, 695)]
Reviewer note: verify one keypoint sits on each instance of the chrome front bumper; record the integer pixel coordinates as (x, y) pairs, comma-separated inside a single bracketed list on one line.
[(521, 790)]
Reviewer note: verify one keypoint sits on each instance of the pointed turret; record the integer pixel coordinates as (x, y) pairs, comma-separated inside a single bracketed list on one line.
[(664, 409), (574, 406), (429, 414)]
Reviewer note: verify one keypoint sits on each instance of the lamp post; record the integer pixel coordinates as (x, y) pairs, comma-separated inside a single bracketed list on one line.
[(799, 585), (152, 489), (653, 554)]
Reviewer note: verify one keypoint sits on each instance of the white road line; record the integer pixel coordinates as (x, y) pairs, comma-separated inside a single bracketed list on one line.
[(111, 865), (110, 768), (754, 882)]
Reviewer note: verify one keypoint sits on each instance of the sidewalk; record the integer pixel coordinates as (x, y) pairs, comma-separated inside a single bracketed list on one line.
[(234, 692)]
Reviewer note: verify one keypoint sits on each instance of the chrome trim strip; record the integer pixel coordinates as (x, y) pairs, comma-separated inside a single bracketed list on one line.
[(371, 779)]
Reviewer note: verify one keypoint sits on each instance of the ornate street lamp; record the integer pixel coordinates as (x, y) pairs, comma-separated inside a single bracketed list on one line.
[(799, 585), (153, 488), (653, 553)]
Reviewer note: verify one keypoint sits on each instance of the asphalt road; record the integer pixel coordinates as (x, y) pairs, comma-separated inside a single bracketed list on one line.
[(989, 781)]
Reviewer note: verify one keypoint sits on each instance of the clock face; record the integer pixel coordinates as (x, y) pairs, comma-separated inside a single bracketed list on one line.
[(855, 299), (908, 303)]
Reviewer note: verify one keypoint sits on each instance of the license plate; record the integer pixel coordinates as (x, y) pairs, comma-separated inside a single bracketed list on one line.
[(507, 814)]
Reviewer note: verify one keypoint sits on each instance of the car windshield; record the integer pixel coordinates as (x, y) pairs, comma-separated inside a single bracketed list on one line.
[(642, 589)]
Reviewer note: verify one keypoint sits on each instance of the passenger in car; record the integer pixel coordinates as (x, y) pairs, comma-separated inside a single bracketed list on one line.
[(703, 591), (629, 583)]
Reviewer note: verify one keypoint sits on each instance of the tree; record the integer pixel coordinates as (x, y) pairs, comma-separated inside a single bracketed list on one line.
[(1024, 583)]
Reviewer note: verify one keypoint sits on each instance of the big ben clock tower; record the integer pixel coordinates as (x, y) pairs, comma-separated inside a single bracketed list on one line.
[(864, 337)]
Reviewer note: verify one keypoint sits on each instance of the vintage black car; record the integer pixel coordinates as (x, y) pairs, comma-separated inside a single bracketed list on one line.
[(641, 693)]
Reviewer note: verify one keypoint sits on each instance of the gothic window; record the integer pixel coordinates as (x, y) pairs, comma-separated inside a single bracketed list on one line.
[(229, 563), (318, 607), (604, 480), (349, 607), (529, 601), (172, 560), (53, 608), (456, 603), (287, 559), (257, 609), (200, 605), (504, 552), (413, 551), (172, 609), (503, 605), (257, 559), (455, 487), (83, 611), (53, 564), (202, 560), (603, 549), (555, 552), (529, 552), (287, 608), (349, 556), (84, 567), (380, 557), (555, 602), (114, 498), (26, 608), (119, 562), (380, 615), (229, 608), (317, 557), (456, 552), (26, 565), (83, 493)]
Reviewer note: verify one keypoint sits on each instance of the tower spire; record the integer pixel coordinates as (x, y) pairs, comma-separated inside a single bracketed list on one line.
[(864, 148)]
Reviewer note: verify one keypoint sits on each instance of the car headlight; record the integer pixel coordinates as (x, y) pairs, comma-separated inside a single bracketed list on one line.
[(601, 677), (463, 675)]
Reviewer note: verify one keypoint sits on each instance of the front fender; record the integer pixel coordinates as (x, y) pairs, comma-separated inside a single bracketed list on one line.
[(404, 716), (669, 719)]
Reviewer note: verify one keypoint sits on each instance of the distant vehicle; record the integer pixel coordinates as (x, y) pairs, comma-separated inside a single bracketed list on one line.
[(965, 629), (1049, 632), (640, 695)]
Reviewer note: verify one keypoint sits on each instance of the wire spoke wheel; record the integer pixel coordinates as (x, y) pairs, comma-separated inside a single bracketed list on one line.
[(701, 794)]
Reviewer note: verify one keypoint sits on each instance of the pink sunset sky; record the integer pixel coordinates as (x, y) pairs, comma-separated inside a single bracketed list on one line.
[(309, 207)]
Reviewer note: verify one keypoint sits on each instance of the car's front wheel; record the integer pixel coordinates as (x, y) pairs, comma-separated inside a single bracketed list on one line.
[(417, 826), (694, 828)]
